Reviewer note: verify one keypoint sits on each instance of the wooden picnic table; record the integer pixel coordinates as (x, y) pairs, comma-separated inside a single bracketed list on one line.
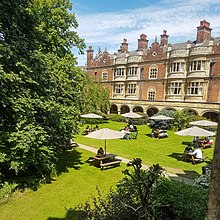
[(189, 156), (106, 160)]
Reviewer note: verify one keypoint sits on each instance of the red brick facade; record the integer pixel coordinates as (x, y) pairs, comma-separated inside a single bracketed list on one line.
[(164, 75)]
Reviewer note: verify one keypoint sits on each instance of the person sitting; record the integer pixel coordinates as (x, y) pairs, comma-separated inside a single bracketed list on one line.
[(197, 153), (96, 128), (210, 140), (187, 149), (86, 131), (100, 152)]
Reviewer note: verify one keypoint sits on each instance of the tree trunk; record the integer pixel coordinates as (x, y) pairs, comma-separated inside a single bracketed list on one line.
[(214, 188)]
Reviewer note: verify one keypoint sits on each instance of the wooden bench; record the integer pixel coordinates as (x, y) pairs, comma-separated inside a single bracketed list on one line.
[(196, 160), (112, 163), (206, 145)]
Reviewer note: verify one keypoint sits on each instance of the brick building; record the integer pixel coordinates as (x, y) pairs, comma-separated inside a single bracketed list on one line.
[(183, 76)]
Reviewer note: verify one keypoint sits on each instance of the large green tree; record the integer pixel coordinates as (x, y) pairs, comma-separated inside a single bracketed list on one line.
[(39, 86), (94, 98)]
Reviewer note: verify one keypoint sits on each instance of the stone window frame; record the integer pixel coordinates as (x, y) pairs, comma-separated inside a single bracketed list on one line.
[(119, 72), (104, 75), (119, 88), (151, 94), (175, 88), (153, 71), (176, 67), (197, 65), (131, 88), (132, 71), (195, 88)]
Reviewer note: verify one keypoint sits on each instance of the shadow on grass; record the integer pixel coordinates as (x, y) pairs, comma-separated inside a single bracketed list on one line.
[(71, 215), (69, 159), (186, 173)]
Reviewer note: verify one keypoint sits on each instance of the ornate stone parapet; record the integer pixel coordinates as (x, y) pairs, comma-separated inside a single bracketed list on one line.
[(178, 53)]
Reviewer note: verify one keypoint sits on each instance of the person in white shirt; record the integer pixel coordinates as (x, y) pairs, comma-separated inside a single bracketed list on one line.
[(197, 153)]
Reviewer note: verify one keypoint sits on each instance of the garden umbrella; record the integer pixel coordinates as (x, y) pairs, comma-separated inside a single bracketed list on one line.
[(104, 134), (195, 131), (91, 116), (160, 117), (204, 123), (131, 115)]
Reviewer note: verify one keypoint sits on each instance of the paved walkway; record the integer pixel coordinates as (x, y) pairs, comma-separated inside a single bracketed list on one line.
[(124, 160)]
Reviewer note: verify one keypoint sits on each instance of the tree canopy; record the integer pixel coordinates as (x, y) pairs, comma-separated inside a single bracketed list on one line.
[(39, 87)]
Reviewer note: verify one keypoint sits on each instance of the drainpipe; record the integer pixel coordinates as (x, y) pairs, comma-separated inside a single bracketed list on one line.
[(212, 63)]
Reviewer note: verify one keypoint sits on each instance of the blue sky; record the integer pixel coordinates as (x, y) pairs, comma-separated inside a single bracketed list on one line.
[(105, 23)]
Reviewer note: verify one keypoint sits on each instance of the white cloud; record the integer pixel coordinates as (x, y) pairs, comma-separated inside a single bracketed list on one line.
[(179, 17)]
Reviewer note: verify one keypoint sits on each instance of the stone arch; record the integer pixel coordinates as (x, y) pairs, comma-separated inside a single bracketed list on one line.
[(190, 110), (125, 109), (114, 109), (212, 115), (138, 109), (152, 111)]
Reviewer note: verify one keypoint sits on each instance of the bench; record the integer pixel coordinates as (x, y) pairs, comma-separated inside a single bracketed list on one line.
[(112, 163), (207, 145), (196, 160)]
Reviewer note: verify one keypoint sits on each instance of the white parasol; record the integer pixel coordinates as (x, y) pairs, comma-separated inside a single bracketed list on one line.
[(160, 117), (104, 134), (131, 115), (204, 123), (195, 131)]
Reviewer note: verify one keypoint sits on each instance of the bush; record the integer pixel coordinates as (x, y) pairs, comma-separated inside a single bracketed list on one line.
[(116, 117), (6, 190), (185, 201)]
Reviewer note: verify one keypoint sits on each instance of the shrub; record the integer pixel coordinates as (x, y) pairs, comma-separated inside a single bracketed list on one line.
[(6, 189), (185, 201), (116, 117)]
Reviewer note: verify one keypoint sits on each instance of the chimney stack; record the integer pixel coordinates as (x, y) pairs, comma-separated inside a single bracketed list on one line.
[(142, 42), (203, 32), (89, 55), (164, 38), (124, 46)]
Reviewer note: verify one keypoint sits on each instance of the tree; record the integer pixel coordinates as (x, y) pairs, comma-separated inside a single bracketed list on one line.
[(39, 86), (94, 98)]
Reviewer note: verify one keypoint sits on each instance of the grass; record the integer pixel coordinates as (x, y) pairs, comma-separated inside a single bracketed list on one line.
[(77, 180), (67, 190), (150, 150)]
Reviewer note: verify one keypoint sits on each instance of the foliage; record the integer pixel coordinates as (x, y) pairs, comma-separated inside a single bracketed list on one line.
[(131, 200), (119, 118), (185, 201), (203, 180), (94, 97), (39, 88), (6, 190), (162, 124), (146, 196), (116, 117), (181, 120)]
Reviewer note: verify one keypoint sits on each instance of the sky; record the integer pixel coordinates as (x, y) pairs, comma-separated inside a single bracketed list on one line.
[(105, 23)]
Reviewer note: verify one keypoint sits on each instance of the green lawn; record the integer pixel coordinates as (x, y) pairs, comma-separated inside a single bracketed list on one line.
[(67, 190), (70, 188), (150, 150)]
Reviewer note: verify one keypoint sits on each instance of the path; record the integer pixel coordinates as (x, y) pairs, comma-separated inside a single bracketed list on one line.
[(124, 160)]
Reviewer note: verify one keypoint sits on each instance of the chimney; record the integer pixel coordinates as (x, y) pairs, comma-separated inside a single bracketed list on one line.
[(203, 32), (119, 50), (164, 38), (142, 42), (89, 55), (124, 46)]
